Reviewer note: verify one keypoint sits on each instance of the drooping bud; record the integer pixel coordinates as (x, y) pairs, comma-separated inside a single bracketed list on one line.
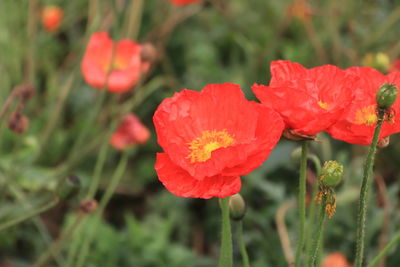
[(386, 95), (331, 174), (69, 187), (18, 122), (88, 206), (25, 92), (237, 207)]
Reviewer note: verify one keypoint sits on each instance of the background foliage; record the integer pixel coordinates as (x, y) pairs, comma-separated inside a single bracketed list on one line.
[(212, 42)]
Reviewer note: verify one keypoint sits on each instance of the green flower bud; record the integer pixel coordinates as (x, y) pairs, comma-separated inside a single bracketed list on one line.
[(237, 207), (331, 174), (386, 95)]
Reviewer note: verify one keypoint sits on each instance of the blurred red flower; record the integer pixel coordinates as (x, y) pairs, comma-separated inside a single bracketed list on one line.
[(335, 259), (51, 18), (130, 132), (210, 138), (123, 65), (356, 125), (309, 100), (184, 2)]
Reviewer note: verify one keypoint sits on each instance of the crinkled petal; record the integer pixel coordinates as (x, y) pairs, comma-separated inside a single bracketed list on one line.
[(182, 184)]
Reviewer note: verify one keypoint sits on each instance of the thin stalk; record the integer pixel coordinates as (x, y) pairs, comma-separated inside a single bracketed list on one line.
[(225, 256), (116, 178), (31, 36), (29, 215), (134, 19), (385, 251), (302, 202), (318, 234), (364, 193), (57, 245), (242, 246), (312, 208)]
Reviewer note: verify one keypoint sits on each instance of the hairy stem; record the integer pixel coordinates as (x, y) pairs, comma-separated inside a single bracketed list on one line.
[(302, 202), (225, 258), (364, 193)]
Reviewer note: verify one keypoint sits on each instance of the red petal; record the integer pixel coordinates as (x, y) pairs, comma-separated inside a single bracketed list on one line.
[(182, 118), (181, 184)]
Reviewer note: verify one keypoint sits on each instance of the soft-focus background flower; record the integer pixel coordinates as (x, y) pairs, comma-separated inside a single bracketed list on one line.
[(193, 45)]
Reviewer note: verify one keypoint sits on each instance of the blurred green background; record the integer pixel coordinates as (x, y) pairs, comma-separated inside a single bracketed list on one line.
[(210, 42)]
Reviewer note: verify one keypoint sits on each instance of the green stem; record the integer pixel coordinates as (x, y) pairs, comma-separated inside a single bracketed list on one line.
[(57, 245), (385, 250), (225, 256), (29, 215), (116, 178), (243, 251), (302, 202), (318, 233), (312, 209), (364, 193)]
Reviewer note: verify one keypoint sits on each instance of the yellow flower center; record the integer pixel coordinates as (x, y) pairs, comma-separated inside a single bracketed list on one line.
[(366, 115), (323, 104), (209, 141)]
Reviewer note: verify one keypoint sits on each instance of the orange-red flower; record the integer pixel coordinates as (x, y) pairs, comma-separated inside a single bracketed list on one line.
[(210, 138), (309, 100), (184, 2), (130, 132), (51, 18), (121, 62), (357, 123), (335, 259)]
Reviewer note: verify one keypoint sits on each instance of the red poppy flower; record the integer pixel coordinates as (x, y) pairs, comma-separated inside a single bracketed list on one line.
[(184, 2), (123, 68), (336, 259), (130, 132), (309, 100), (357, 123), (51, 18), (210, 138)]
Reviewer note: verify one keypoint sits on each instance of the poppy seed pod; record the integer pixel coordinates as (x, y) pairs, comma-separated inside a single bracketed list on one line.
[(237, 207), (386, 95), (331, 173)]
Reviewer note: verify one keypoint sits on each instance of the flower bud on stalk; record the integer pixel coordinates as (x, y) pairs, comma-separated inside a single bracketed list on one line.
[(386, 95), (331, 174), (18, 122), (237, 207)]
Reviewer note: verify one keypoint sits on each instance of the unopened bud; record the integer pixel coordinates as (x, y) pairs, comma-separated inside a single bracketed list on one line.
[(88, 206), (69, 187), (148, 52), (18, 123), (331, 173), (25, 92), (386, 95), (237, 207)]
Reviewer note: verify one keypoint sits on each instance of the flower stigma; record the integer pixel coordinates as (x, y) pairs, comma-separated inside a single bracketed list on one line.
[(202, 147), (323, 105), (366, 115)]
